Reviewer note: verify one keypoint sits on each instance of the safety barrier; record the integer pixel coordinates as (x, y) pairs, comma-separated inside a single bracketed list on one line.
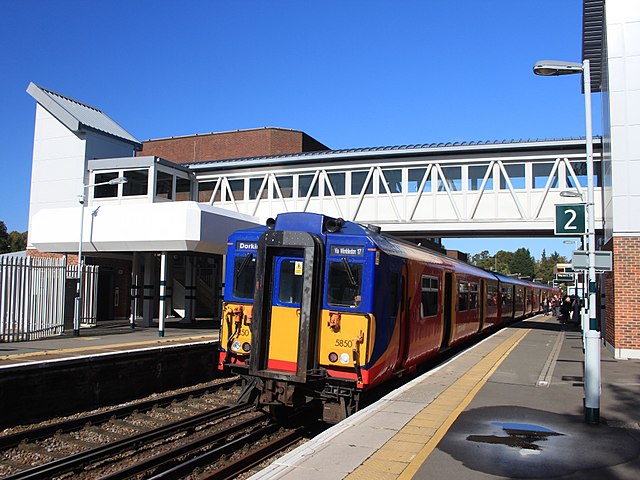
[(32, 297)]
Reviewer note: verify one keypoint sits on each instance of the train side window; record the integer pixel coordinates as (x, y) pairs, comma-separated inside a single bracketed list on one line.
[(492, 295), (429, 304), (393, 293), (463, 296), (473, 296), (507, 295), (344, 284), (244, 278)]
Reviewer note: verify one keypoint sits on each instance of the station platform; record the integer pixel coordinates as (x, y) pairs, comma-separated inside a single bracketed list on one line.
[(107, 337), (510, 407)]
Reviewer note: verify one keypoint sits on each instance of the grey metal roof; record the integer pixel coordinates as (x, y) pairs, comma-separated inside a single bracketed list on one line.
[(77, 116), (592, 35), (388, 151)]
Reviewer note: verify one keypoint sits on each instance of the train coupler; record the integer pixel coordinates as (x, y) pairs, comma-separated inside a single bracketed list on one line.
[(275, 392)]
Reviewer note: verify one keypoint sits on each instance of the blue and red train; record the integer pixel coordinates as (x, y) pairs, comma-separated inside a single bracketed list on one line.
[(317, 309)]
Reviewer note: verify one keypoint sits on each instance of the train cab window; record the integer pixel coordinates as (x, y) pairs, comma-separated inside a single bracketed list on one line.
[(290, 280), (244, 278), (344, 284), (473, 296), (429, 305), (463, 296)]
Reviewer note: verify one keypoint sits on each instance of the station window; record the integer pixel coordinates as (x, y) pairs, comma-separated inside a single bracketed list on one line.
[(164, 185), (244, 277), (541, 173), (285, 184), (463, 296), (453, 179), (415, 179), (304, 185), (255, 184), (183, 189), (393, 180), (516, 175), (344, 284), (237, 189), (290, 287), (580, 169), (357, 183), (337, 183), (105, 191), (429, 304), (476, 177), (205, 190), (137, 183)]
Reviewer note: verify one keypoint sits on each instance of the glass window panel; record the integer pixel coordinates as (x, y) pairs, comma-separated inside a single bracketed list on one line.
[(244, 278), (463, 296), (290, 287), (183, 189), (254, 188), (286, 185), (137, 183), (415, 179), (304, 183), (344, 284), (453, 177), (357, 183), (393, 179), (541, 172), (337, 183), (473, 296), (429, 300), (205, 190), (476, 176), (237, 189), (105, 191), (580, 169), (164, 185), (516, 175)]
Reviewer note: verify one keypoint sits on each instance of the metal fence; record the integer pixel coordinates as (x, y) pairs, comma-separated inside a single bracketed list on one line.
[(32, 297), (90, 293)]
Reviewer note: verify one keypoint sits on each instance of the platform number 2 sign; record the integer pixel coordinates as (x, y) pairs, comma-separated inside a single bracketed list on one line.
[(570, 219)]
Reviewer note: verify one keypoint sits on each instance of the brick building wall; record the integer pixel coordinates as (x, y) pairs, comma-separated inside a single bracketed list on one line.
[(224, 145), (621, 293)]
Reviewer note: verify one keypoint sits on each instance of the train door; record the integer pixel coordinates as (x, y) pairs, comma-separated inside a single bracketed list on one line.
[(449, 308), (286, 305)]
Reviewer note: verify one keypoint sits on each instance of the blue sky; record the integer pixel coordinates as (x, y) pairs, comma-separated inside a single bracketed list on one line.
[(349, 73)]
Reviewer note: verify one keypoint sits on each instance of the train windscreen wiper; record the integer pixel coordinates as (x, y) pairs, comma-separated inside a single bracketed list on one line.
[(246, 261), (352, 278)]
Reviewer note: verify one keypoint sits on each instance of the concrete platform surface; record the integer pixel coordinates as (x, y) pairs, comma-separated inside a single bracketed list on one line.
[(107, 337), (510, 407)]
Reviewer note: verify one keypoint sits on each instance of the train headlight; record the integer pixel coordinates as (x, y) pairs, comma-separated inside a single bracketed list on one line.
[(236, 346), (246, 347), (344, 358), (333, 357)]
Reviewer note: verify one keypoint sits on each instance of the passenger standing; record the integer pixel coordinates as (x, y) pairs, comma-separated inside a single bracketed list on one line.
[(575, 307), (565, 310)]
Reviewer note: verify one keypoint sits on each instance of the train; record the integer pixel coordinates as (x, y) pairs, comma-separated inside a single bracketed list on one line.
[(321, 310)]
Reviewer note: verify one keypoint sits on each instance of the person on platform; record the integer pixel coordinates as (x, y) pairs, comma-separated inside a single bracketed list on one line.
[(565, 309), (575, 309)]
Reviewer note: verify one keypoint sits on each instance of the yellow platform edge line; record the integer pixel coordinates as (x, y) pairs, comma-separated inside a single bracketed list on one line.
[(156, 341), (424, 453)]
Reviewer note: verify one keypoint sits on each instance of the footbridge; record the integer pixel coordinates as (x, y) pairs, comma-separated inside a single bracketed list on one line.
[(439, 190)]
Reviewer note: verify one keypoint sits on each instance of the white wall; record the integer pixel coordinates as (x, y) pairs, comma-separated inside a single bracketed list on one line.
[(59, 162), (623, 50)]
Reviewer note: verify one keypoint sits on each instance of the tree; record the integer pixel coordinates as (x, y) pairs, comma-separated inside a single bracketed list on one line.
[(17, 241), (523, 263), (4, 238), (545, 269)]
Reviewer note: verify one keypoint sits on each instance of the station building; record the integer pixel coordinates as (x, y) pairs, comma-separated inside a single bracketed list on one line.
[(168, 225)]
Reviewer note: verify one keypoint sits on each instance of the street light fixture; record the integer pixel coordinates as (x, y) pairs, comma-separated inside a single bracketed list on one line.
[(77, 313), (592, 336), (569, 193)]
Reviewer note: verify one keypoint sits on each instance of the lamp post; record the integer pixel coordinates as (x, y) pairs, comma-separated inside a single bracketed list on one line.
[(592, 336), (77, 313)]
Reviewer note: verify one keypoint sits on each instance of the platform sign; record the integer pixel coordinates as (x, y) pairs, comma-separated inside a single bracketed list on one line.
[(571, 219), (604, 260)]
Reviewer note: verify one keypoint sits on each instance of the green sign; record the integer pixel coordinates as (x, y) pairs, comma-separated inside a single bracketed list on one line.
[(571, 219)]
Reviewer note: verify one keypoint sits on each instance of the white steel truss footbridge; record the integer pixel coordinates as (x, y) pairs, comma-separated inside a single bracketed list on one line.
[(439, 190)]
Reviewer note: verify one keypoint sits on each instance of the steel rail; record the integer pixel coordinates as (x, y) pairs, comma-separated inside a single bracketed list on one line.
[(44, 431), (167, 459), (79, 460)]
